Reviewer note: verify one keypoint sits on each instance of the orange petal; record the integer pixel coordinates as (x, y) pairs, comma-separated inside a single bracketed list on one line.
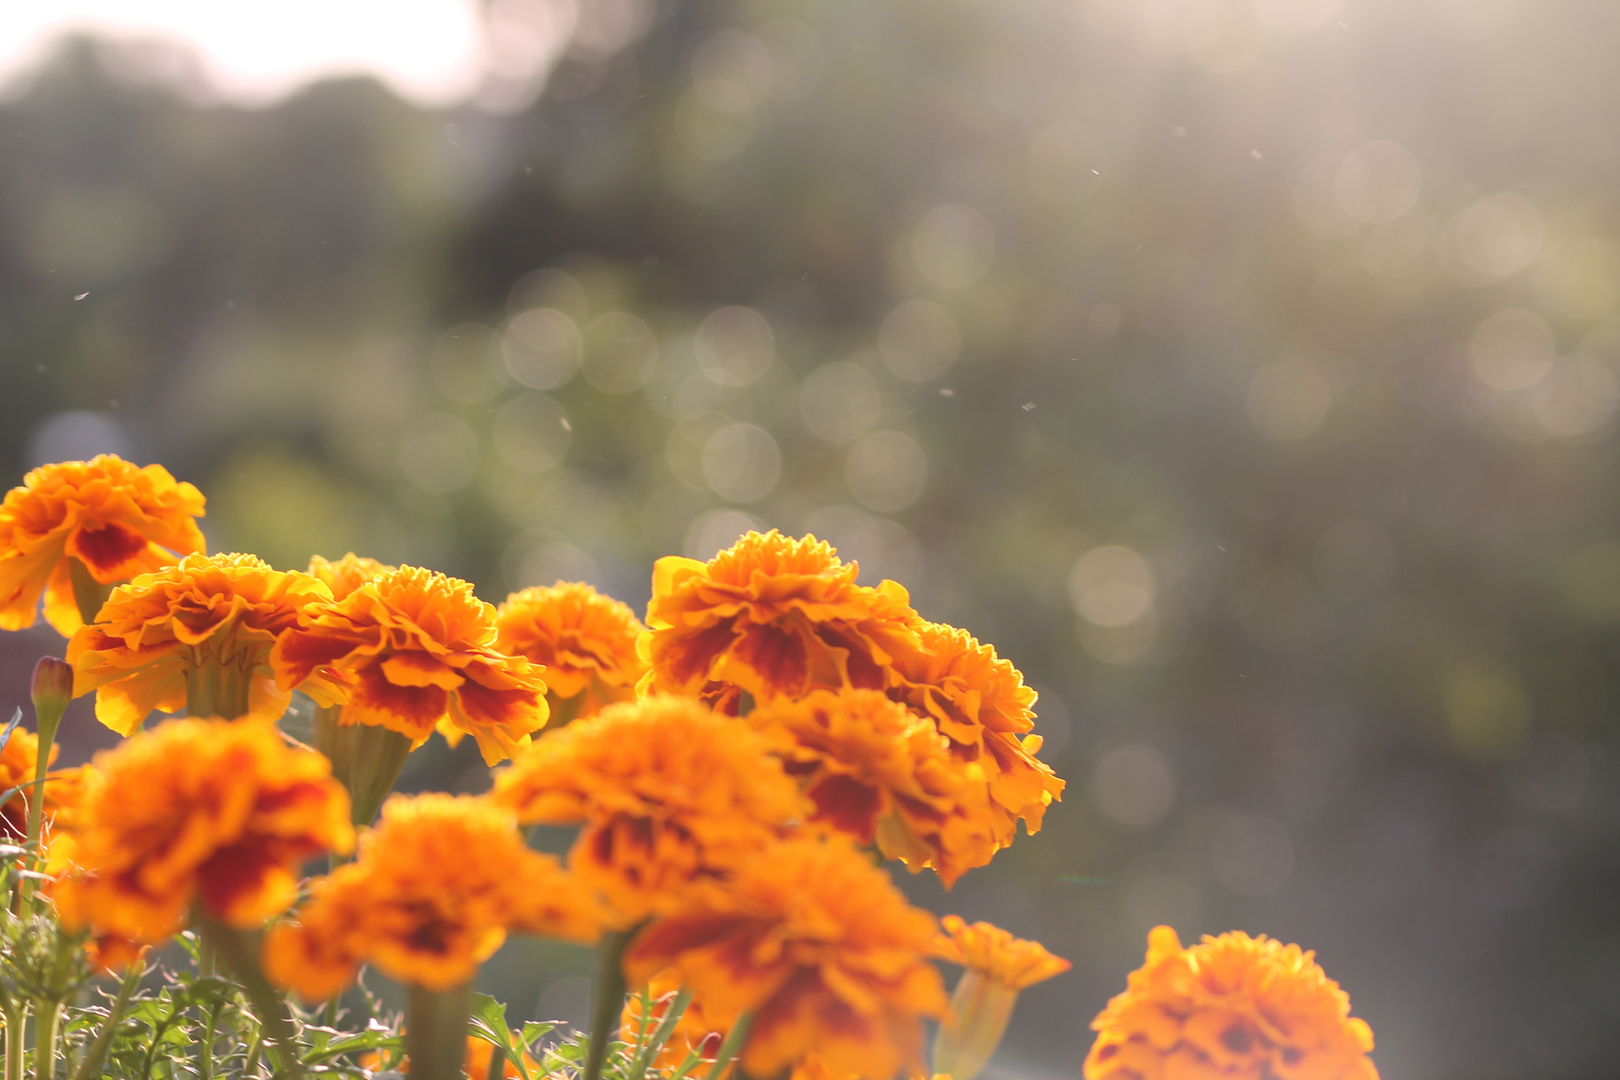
[(61, 606), (111, 552), (414, 668)]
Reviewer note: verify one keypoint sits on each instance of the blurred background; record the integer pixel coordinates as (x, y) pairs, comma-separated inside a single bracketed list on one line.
[(1244, 370)]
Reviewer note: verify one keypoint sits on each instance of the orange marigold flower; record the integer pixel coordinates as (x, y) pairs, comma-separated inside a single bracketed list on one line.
[(771, 616), (693, 1031), (1229, 1008), (586, 642), (879, 772), (669, 792), (480, 1055), (818, 945), (184, 632), (979, 702), (998, 967), (436, 887), (996, 954), (348, 573), (413, 647), (115, 519), (209, 813)]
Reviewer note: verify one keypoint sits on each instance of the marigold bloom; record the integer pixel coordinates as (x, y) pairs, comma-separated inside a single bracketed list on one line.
[(979, 702), (772, 616), (413, 647), (348, 573), (996, 954), (878, 772), (998, 967), (1231, 1007), (208, 813), (116, 519), (436, 887), (818, 945), (669, 792), (480, 1055), (585, 641), (168, 633)]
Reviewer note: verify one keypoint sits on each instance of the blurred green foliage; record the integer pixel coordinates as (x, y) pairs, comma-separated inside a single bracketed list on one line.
[(1246, 372)]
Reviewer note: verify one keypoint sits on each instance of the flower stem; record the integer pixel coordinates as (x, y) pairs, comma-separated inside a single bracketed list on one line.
[(45, 1032), (607, 999), (436, 1031), (239, 950), (365, 758), (736, 1038), (97, 1053), (216, 689), (16, 1021)]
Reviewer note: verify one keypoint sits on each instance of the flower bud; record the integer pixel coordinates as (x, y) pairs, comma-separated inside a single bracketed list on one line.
[(52, 689)]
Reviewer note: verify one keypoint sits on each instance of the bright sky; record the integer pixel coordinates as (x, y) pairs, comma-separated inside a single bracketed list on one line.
[(253, 51)]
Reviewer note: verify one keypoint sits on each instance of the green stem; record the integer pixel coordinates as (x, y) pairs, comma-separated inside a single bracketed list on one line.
[(45, 1035), (436, 1031), (654, 1045), (732, 1047), (205, 1050), (88, 593), (239, 950), (366, 759), (216, 689), (16, 1021), (607, 999), (97, 1053)]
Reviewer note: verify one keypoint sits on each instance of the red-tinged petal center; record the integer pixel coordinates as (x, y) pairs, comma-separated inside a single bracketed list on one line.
[(111, 551)]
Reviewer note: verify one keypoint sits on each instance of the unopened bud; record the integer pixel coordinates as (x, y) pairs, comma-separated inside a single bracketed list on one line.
[(52, 690)]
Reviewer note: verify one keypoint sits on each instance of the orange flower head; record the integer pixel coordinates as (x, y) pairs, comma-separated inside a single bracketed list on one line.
[(669, 792), (998, 967), (585, 641), (205, 619), (348, 573), (409, 649), (996, 954), (437, 886), (693, 1031), (818, 945), (773, 617), (878, 772), (218, 815), (979, 702), (116, 519), (1231, 1007), (63, 790)]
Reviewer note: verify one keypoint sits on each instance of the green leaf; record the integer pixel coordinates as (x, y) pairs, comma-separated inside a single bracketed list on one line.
[(488, 1022)]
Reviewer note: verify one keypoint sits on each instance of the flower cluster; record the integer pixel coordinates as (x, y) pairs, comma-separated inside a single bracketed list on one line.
[(735, 768), (782, 625)]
